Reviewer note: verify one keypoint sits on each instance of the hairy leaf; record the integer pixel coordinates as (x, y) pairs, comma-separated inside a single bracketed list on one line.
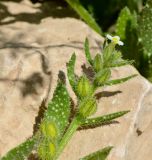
[(20, 152), (54, 123), (145, 38), (87, 52), (103, 119), (99, 155), (70, 72), (121, 25), (121, 80), (126, 28), (121, 63)]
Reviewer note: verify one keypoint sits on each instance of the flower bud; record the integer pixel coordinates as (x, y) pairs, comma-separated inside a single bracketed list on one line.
[(84, 87), (52, 149), (88, 107), (102, 76), (49, 129), (42, 151), (46, 149), (98, 63), (108, 54)]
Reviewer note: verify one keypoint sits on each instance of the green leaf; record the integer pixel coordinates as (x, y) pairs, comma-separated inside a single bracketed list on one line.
[(20, 152), (121, 25), (87, 52), (121, 63), (117, 60), (54, 124), (103, 119), (145, 29), (70, 72), (126, 29), (99, 155), (84, 14), (121, 80), (145, 38), (59, 108)]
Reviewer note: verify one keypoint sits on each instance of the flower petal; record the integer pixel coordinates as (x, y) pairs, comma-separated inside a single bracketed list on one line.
[(109, 36), (120, 43)]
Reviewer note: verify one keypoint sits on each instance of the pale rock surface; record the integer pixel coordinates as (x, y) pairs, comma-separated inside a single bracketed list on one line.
[(29, 52)]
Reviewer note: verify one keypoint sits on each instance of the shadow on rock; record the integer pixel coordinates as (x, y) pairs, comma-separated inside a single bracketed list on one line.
[(107, 94), (50, 8), (30, 85)]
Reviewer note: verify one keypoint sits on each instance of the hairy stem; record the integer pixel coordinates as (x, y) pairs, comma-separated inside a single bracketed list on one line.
[(68, 135)]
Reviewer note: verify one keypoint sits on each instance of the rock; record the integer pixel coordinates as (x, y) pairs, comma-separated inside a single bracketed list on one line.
[(31, 55)]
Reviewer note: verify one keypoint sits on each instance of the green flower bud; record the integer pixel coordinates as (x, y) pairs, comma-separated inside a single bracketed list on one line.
[(108, 54), (117, 56), (47, 149), (52, 149), (49, 130), (42, 151), (98, 63), (88, 107), (84, 87), (102, 76)]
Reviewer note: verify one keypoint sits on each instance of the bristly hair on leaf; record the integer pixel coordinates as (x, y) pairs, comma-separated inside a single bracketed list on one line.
[(99, 155), (70, 72), (87, 52), (22, 151)]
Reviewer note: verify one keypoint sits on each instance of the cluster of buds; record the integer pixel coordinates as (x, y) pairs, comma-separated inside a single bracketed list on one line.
[(101, 66)]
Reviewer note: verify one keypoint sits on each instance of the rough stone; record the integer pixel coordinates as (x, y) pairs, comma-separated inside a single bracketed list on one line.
[(31, 54)]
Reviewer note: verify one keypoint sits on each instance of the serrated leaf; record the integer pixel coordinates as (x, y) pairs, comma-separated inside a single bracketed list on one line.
[(70, 72), (99, 155), (121, 80), (84, 14), (87, 52), (20, 152), (103, 119)]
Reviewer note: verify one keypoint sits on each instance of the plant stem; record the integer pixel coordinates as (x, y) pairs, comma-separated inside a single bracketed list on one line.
[(67, 136)]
